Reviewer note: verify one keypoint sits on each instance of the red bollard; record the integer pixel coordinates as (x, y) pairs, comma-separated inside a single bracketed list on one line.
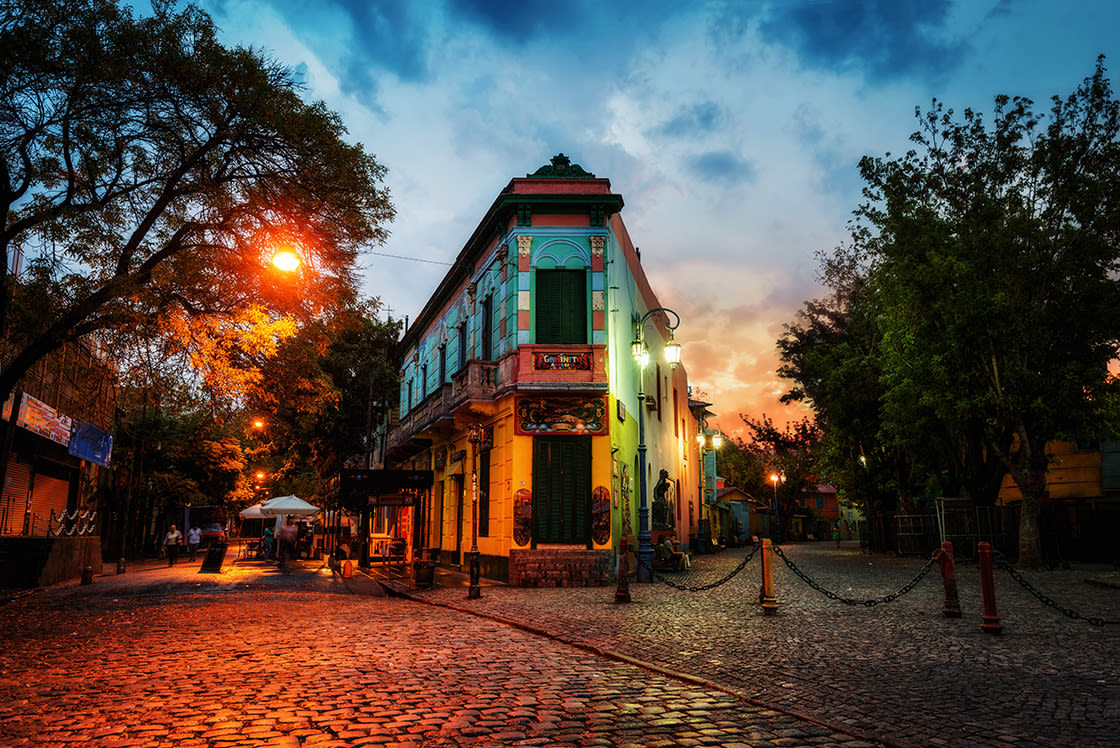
[(622, 593), (990, 622), (952, 607)]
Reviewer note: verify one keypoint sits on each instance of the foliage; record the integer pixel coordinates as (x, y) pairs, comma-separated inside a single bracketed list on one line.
[(789, 459), (982, 281), (147, 173), (324, 394)]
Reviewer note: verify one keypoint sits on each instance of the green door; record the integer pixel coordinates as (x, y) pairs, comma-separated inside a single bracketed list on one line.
[(562, 490)]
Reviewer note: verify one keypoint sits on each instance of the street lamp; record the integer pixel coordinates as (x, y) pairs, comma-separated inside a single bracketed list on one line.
[(641, 355), (708, 443), (474, 436), (286, 258), (777, 516)]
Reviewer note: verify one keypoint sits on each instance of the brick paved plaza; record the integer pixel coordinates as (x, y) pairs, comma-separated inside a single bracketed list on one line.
[(161, 656)]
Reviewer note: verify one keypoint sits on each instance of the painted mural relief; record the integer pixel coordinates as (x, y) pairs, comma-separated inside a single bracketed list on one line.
[(601, 515), (580, 416), (523, 516)]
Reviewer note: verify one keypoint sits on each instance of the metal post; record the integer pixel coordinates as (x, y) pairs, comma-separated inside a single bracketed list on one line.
[(622, 593), (769, 602), (645, 550), (475, 437), (701, 536), (990, 622), (952, 606)]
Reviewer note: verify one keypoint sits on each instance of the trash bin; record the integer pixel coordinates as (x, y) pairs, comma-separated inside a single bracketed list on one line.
[(423, 574)]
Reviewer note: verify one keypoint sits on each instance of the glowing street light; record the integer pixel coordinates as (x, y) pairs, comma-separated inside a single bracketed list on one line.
[(641, 355), (286, 259)]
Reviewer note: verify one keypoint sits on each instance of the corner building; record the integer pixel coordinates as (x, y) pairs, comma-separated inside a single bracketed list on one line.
[(517, 378)]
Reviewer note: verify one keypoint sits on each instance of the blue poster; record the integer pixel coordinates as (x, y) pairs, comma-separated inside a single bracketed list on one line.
[(88, 442)]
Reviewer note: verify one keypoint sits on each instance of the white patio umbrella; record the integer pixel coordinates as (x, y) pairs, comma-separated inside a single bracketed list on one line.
[(293, 505), (253, 512)]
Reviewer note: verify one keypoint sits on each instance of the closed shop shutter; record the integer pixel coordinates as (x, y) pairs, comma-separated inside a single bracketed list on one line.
[(47, 493), (14, 501)]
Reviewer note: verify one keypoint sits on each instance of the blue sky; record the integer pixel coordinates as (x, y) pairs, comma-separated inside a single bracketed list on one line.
[(732, 129)]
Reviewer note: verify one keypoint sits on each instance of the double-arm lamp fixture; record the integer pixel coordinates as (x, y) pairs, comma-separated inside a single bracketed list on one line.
[(640, 353)]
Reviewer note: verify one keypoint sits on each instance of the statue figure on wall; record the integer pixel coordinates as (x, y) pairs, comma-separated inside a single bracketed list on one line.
[(662, 504)]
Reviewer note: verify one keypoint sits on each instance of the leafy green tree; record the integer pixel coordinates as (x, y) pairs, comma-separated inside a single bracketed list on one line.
[(147, 171), (992, 254), (325, 393)]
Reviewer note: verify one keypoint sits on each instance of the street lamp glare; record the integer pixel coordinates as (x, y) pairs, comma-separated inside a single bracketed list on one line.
[(717, 440), (774, 477), (286, 259)]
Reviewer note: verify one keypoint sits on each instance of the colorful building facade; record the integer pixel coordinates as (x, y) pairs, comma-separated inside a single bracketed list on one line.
[(520, 393)]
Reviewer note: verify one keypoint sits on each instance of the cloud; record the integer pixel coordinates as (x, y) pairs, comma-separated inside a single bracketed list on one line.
[(885, 38), (698, 118), (723, 166)]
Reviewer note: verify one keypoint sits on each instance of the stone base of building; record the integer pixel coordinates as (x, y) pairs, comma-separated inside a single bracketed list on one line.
[(560, 568), (39, 562)]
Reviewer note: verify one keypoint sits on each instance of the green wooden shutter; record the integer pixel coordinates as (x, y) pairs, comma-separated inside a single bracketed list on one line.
[(561, 306), (561, 489)]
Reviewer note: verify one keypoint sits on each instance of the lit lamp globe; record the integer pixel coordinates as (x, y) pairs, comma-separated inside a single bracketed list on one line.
[(286, 259)]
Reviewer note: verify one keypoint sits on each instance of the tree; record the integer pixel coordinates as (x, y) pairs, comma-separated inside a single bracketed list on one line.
[(148, 172), (325, 392), (992, 252), (789, 458)]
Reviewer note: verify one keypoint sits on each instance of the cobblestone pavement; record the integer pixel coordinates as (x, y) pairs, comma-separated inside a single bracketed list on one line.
[(252, 657), (898, 672)]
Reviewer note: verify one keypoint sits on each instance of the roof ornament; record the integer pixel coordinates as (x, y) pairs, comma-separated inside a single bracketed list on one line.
[(562, 166)]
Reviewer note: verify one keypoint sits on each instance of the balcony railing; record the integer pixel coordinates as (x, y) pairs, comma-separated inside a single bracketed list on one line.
[(532, 366)]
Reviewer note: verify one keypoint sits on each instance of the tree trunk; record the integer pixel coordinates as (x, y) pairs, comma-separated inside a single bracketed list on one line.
[(1030, 546)]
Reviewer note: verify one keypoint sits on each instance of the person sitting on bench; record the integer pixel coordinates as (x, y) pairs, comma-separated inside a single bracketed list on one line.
[(669, 551)]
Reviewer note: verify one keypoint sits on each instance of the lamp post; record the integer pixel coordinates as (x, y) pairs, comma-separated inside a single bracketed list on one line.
[(641, 355), (774, 477), (708, 443), (474, 436)]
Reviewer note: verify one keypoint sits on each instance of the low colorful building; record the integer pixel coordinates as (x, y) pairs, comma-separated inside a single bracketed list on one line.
[(520, 391)]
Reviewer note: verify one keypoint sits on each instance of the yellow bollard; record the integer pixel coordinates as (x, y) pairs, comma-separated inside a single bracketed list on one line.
[(769, 603)]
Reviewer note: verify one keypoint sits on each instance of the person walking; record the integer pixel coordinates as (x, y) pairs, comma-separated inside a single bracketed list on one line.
[(194, 539), (171, 543), (266, 543)]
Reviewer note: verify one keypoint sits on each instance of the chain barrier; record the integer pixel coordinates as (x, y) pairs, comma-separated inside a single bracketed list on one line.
[(866, 603), (1044, 598), (702, 587)]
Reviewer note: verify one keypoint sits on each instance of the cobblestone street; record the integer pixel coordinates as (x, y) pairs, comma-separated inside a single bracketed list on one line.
[(161, 656)]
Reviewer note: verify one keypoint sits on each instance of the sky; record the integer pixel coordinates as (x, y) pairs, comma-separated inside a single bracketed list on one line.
[(733, 130)]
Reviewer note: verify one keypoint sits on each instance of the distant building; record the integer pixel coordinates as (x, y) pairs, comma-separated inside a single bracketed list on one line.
[(528, 340)]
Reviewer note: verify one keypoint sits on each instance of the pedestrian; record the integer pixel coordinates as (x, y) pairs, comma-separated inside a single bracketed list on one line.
[(266, 543), (836, 533), (171, 543), (194, 539), (287, 541)]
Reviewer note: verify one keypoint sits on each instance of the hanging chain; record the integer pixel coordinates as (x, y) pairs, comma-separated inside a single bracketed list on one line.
[(866, 603), (1043, 598), (703, 587)]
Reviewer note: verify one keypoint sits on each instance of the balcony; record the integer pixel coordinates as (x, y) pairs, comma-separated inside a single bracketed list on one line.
[(476, 387)]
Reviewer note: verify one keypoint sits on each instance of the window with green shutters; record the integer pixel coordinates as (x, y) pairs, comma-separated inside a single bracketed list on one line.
[(562, 489), (561, 306)]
